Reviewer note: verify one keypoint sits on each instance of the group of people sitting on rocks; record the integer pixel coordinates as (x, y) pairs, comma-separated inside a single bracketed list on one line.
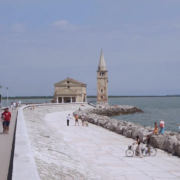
[(83, 120)]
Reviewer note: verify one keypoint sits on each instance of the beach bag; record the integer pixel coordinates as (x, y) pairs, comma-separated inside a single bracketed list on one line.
[(161, 125)]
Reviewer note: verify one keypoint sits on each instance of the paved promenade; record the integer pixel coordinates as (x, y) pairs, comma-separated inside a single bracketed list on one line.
[(6, 141), (89, 152), (105, 151)]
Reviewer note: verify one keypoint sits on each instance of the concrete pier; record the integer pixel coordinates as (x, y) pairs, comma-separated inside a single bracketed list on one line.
[(6, 142), (78, 152)]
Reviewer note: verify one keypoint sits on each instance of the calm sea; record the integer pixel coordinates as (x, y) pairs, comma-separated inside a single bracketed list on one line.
[(167, 108), (155, 109)]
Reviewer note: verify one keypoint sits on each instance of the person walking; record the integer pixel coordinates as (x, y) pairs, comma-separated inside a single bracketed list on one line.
[(68, 118), (148, 141), (14, 105), (7, 117), (76, 119), (161, 125), (155, 128), (83, 120), (11, 105), (2, 120), (19, 103), (138, 149)]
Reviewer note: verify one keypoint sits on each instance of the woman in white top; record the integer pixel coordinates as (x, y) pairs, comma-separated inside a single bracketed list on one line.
[(161, 126), (68, 118), (179, 128)]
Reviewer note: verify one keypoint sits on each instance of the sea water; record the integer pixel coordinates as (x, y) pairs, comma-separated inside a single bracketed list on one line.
[(154, 109)]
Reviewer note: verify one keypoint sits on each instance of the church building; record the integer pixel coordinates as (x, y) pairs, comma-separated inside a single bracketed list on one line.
[(102, 82), (69, 90)]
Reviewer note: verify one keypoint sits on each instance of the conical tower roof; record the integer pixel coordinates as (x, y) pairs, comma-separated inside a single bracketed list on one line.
[(102, 64)]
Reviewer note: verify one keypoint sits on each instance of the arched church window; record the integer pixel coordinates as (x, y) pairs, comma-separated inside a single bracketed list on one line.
[(101, 97), (102, 90)]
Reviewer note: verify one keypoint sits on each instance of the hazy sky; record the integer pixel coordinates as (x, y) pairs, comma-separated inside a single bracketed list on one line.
[(42, 41)]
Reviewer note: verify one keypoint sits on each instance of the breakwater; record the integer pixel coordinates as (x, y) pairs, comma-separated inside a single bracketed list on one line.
[(169, 142), (115, 110)]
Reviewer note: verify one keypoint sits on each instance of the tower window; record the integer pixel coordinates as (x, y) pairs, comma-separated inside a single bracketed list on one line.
[(101, 74), (101, 90), (101, 97), (68, 82)]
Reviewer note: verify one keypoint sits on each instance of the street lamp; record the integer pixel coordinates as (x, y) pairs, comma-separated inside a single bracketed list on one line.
[(7, 95), (1, 95)]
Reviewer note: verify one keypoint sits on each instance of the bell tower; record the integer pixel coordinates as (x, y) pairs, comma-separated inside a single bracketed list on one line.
[(102, 82)]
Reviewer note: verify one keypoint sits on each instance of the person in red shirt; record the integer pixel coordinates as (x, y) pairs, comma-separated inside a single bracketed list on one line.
[(7, 117)]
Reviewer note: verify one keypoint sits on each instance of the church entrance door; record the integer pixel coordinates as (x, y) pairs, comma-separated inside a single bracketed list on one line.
[(60, 99), (67, 99)]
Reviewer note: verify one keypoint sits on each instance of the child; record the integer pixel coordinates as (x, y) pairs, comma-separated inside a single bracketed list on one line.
[(76, 119), (83, 120), (155, 128)]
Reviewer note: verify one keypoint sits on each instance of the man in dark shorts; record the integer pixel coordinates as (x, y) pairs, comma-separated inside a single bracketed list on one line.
[(7, 117), (148, 143)]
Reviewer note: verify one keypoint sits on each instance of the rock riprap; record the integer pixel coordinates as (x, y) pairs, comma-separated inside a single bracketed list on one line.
[(115, 110), (169, 142)]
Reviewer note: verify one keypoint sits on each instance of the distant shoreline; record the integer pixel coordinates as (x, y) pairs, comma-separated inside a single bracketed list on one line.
[(92, 97)]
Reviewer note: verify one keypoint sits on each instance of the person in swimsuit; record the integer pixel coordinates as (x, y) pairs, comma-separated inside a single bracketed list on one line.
[(68, 119), (155, 128), (76, 120)]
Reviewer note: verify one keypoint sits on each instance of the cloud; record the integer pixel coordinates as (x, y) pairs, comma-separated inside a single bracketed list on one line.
[(64, 25), (17, 27), (60, 24)]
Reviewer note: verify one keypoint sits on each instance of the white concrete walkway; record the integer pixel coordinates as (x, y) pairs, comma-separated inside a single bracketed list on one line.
[(104, 151)]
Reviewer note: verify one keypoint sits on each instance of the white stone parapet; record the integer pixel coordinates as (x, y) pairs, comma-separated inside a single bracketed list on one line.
[(24, 166)]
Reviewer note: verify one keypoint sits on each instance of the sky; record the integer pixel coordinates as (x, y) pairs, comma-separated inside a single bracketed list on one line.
[(43, 42)]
